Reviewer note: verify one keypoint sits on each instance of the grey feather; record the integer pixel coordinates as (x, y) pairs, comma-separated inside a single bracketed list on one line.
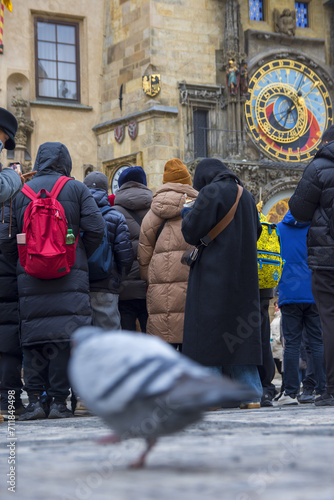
[(142, 387)]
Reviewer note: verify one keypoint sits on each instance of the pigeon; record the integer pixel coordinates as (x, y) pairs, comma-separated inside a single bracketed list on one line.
[(140, 386)]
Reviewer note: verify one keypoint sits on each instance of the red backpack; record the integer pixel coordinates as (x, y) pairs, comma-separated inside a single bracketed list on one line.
[(43, 251)]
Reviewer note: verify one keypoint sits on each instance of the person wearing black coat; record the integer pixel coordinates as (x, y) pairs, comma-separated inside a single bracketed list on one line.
[(52, 309), (10, 351), (312, 202), (104, 293), (222, 315)]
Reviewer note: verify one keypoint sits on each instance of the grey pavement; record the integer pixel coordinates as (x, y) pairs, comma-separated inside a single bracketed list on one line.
[(260, 454)]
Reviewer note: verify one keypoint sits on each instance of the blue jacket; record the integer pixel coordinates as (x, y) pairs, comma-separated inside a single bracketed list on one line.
[(295, 282), (119, 238)]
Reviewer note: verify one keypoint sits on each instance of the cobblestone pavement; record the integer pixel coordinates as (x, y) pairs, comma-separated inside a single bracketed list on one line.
[(262, 454)]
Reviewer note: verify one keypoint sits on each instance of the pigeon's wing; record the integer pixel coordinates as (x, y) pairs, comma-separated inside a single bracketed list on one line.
[(112, 370), (209, 390)]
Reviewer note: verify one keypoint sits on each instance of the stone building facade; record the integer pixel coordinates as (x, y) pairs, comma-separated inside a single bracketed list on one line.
[(137, 82), (50, 77), (182, 48)]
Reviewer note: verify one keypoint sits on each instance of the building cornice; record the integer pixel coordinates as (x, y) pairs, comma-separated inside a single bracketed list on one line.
[(152, 112)]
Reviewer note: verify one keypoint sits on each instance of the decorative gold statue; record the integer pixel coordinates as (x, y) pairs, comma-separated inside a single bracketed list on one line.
[(232, 78)]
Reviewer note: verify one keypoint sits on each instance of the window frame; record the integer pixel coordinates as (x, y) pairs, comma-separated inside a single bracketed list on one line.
[(198, 131), (76, 27), (263, 13), (307, 3)]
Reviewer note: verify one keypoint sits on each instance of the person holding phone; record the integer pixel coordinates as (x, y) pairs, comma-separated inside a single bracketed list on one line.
[(10, 182)]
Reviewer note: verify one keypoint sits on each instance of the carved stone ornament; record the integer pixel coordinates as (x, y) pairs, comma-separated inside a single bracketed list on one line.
[(119, 133), (285, 22), (190, 93), (133, 129)]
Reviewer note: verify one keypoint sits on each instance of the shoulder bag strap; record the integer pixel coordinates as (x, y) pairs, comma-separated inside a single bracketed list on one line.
[(135, 216), (224, 221)]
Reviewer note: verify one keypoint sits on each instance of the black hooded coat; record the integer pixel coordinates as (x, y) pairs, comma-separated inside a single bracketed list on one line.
[(313, 201), (50, 310), (222, 316)]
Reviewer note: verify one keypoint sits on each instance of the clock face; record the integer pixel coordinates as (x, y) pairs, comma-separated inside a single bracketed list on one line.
[(288, 110), (114, 182)]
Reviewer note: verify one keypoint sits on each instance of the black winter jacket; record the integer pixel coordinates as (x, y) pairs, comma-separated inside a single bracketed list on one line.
[(50, 310), (119, 238), (312, 202), (9, 312), (138, 198), (222, 315)]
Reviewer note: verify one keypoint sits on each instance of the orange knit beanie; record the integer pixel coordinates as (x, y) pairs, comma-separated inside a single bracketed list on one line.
[(176, 171)]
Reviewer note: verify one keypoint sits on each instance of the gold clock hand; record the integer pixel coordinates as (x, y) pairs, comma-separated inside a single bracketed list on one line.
[(301, 99)]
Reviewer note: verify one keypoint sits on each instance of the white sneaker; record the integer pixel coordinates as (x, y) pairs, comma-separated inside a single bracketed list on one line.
[(287, 400)]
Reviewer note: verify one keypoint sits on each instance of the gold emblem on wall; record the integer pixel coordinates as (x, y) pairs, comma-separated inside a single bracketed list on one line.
[(151, 85)]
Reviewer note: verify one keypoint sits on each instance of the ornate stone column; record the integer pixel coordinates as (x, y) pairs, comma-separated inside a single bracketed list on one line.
[(25, 128), (234, 50)]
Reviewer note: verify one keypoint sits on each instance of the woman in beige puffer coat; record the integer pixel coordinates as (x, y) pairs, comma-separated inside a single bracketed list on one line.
[(160, 257)]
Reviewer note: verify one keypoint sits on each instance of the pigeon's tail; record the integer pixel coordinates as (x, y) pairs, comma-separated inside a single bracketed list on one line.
[(212, 390)]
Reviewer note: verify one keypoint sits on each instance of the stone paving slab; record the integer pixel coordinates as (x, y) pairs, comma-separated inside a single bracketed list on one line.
[(263, 454)]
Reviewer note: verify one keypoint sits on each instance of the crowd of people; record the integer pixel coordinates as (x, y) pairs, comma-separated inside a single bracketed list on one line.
[(212, 310)]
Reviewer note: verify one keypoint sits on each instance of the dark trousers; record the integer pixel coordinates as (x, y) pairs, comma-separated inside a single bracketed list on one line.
[(295, 318), (130, 311), (267, 369), (45, 369), (10, 376), (309, 378), (323, 293)]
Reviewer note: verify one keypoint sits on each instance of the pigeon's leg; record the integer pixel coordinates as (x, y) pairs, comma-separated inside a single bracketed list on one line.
[(138, 464), (111, 439)]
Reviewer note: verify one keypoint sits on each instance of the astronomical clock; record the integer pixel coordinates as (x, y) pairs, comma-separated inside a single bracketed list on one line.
[(288, 110)]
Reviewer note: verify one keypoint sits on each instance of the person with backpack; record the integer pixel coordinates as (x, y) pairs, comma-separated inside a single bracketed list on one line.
[(133, 199), (299, 312), (270, 265), (51, 309), (161, 245), (104, 282)]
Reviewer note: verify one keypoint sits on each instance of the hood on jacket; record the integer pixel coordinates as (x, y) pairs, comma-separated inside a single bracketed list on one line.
[(134, 196), (291, 221), (53, 157), (210, 170), (100, 196), (169, 199), (326, 151)]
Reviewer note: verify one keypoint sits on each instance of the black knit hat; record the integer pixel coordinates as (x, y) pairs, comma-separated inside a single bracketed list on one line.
[(97, 180), (134, 174), (8, 124)]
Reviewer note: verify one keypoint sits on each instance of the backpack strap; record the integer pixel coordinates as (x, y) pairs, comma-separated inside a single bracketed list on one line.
[(59, 184), (29, 192), (105, 209)]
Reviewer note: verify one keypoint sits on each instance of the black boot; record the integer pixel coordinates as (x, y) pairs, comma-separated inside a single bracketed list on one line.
[(58, 409), (34, 410)]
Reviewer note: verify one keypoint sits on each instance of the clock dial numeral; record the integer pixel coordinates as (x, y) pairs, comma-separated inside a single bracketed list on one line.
[(288, 110)]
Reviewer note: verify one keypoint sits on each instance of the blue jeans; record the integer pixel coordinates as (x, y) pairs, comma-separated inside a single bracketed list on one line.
[(245, 374), (295, 317)]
